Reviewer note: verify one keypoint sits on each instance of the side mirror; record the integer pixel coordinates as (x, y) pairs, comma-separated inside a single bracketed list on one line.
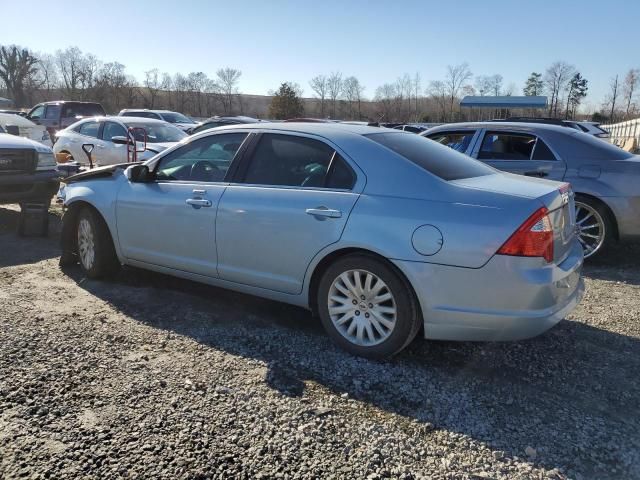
[(119, 140), (139, 174), (13, 130)]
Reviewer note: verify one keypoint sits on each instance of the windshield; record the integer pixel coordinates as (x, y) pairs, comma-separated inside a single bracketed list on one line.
[(431, 156), (174, 117), (157, 132)]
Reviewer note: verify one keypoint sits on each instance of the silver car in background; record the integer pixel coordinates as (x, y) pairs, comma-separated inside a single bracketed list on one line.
[(604, 178), (383, 233), (109, 135)]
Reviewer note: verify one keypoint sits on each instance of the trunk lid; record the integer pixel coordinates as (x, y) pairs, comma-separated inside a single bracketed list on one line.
[(557, 197)]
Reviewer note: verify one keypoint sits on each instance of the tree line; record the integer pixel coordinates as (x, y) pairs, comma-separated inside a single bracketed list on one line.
[(28, 78)]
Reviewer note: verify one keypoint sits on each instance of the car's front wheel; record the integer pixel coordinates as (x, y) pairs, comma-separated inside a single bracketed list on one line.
[(367, 307), (96, 253)]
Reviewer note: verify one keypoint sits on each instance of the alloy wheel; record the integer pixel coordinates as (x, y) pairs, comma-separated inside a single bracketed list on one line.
[(590, 228), (362, 307), (86, 244)]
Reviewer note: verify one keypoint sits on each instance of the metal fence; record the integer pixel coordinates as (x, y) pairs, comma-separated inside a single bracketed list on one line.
[(625, 134)]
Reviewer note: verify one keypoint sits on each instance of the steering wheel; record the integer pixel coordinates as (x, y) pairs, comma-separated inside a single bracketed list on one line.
[(315, 171), (203, 170)]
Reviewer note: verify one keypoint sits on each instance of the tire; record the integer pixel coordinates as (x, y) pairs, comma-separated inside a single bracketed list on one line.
[(96, 252), (367, 328), (593, 218)]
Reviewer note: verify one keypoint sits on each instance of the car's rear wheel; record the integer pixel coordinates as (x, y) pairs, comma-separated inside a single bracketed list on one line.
[(593, 226), (367, 307), (96, 253)]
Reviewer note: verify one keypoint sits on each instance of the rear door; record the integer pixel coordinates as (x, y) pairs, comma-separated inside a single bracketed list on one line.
[(291, 198), (519, 152)]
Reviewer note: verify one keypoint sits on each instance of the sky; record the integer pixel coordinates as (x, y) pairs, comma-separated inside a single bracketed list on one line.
[(376, 40)]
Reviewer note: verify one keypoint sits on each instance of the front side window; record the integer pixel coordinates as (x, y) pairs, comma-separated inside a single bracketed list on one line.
[(459, 141), (203, 160), (37, 112), (287, 160), (89, 129), (506, 146), (112, 129)]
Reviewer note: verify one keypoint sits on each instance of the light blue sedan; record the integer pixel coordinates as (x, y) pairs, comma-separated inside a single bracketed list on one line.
[(382, 233)]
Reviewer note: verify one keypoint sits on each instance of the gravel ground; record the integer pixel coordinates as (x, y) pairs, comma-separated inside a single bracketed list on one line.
[(147, 376)]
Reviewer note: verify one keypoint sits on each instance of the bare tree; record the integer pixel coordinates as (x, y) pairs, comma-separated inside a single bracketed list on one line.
[(631, 82), (353, 95), (152, 83), (386, 95), (612, 98), (439, 93), (482, 84), (555, 80), (334, 88), (319, 85), (456, 77), (228, 82), (16, 66), (416, 93), (70, 65)]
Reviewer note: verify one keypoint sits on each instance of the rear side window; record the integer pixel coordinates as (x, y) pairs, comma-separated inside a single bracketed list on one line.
[(52, 112), (459, 141), (506, 146), (82, 110), (542, 152), (90, 129), (287, 160), (437, 159)]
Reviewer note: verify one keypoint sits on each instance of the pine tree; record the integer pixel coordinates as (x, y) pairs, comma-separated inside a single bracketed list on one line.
[(576, 91), (533, 86), (286, 103)]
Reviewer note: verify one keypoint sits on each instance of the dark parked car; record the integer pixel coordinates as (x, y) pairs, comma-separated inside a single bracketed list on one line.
[(60, 114), (214, 122), (27, 171), (605, 178)]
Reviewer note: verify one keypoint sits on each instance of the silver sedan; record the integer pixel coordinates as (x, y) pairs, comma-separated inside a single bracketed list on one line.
[(605, 178), (382, 233)]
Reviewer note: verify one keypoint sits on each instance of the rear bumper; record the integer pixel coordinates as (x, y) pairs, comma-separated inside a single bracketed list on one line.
[(510, 298), (37, 186)]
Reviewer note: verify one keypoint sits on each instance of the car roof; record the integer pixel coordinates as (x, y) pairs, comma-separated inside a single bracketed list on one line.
[(125, 120), (308, 127), (60, 102), (146, 110), (503, 126)]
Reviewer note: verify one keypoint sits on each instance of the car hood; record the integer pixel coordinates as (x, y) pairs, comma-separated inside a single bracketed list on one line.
[(12, 141)]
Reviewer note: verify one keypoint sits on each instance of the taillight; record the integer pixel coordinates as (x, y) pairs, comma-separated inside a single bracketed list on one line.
[(533, 239)]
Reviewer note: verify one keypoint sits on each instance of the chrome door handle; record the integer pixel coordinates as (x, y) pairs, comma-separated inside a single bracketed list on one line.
[(198, 202), (199, 192), (323, 212)]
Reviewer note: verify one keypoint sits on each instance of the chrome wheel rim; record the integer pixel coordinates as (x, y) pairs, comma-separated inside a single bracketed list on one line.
[(86, 245), (590, 228), (362, 308)]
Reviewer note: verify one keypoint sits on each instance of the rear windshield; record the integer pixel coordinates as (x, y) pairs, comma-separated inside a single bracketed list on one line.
[(590, 147), (433, 157), (174, 117), (82, 110)]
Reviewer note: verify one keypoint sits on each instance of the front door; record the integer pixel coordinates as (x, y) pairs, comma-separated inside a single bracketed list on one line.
[(521, 153), (170, 221), (293, 198), (109, 153)]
